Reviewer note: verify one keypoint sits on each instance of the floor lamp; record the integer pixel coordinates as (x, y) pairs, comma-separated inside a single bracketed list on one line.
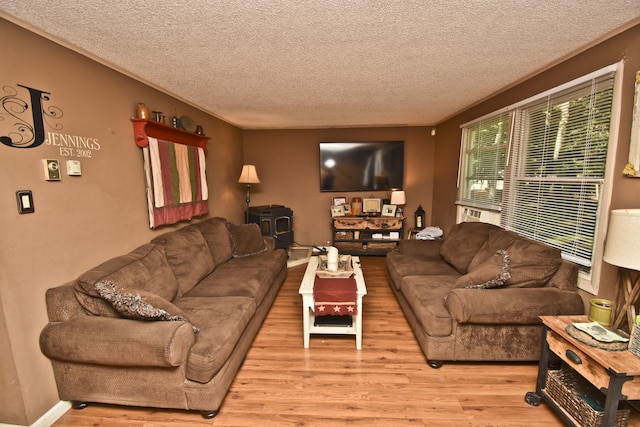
[(622, 249), (248, 176)]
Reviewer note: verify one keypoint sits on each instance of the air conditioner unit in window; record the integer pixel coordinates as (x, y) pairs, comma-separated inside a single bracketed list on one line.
[(471, 215), (468, 214)]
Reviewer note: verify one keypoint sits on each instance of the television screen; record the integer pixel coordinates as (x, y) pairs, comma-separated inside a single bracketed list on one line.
[(361, 166)]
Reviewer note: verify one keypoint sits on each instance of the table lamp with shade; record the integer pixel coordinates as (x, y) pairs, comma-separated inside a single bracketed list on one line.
[(398, 198), (248, 176), (622, 249)]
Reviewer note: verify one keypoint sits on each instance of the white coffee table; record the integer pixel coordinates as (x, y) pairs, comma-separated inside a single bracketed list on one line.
[(308, 316)]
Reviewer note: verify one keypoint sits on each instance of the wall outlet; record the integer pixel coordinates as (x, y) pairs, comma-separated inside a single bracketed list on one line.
[(51, 169)]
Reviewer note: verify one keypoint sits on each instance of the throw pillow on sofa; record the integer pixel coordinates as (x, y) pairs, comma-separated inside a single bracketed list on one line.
[(532, 263), (463, 242), (497, 240), (215, 233), (145, 268), (188, 255), (246, 240), (491, 273), (140, 305)]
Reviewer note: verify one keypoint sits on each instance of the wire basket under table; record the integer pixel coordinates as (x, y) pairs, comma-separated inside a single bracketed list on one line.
[(581, 399)]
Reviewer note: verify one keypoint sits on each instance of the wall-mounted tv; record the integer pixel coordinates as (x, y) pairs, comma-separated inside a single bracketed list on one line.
[(361, 166)]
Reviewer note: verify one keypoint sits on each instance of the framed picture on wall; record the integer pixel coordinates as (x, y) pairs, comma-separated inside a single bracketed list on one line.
[(633, 167), (371, 206)]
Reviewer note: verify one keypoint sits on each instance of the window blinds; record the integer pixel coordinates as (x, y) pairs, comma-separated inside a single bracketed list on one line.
[(558, 158), (483, 161)]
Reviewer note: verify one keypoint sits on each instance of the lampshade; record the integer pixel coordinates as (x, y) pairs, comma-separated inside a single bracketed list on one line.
[(249, 175), (398, 197), (622, 248)]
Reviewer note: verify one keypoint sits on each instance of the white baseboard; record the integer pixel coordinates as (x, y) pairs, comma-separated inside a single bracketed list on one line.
[(49, 418)]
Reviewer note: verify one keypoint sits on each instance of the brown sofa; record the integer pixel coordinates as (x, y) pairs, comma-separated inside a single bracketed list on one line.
[(168, 324), (477, 294)]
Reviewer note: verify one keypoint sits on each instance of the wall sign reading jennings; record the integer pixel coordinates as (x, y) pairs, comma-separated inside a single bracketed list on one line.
[(18, 130)]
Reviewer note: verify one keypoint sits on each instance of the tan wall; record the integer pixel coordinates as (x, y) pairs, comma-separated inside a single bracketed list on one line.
[(79, 221), (288, 165), (626, 193)]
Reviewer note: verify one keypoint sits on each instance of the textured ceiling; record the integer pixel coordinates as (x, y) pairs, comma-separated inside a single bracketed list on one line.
[(326, 63)]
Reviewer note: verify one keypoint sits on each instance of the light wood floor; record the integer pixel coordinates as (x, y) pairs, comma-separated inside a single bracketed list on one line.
[(387, 383)]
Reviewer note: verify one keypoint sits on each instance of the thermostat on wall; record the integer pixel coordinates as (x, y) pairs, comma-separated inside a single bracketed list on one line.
[(51, 169), (74, 168)]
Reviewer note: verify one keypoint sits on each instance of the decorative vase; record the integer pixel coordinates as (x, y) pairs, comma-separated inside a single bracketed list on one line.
[(142, 111), (356, 206), (600, 311)]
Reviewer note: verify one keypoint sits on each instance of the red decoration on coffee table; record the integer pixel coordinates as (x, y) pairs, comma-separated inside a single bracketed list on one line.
[(335, 297)]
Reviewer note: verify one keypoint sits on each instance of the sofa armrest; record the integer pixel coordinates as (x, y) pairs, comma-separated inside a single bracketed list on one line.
[(62, 303), (428, 248), (518, 306), (117, 342)]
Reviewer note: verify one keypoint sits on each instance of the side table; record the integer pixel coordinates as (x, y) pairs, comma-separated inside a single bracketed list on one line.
[(615, 373)]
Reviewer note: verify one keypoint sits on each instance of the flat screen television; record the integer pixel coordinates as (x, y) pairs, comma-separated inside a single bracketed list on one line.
[(361, 166)]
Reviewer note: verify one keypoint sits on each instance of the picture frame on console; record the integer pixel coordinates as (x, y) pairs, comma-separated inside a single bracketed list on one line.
[(389, 210), (339, 201), (371, 206), (337, 210)]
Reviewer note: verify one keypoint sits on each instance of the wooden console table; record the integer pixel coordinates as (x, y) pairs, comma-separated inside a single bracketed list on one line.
[(615, 373), (370, 235)]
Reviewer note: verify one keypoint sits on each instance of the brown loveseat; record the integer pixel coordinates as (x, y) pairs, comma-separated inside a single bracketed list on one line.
[(168, 324), (477, 294)]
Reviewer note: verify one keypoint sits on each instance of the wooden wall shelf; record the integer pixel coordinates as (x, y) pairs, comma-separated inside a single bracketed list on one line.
[(143, 128)]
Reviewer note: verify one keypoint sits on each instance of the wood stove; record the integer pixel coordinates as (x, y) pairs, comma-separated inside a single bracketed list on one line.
[(275, 221)]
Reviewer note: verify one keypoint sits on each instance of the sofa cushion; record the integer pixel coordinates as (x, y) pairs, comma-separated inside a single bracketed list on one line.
[(222, 321), (400, 265), (566, 277), (188, 255), (491, 273), (246, 240), (145, 268), (249, 277), (463, 243), (532, 263), (252, 282), (426, 295), (216, 234)]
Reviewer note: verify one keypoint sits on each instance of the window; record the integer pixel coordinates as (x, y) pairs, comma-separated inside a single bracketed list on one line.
[(484, 147), (542, 164), (557, 172)]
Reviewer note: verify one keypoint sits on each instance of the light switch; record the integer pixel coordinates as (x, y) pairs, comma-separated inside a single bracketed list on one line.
[(25, 201)]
